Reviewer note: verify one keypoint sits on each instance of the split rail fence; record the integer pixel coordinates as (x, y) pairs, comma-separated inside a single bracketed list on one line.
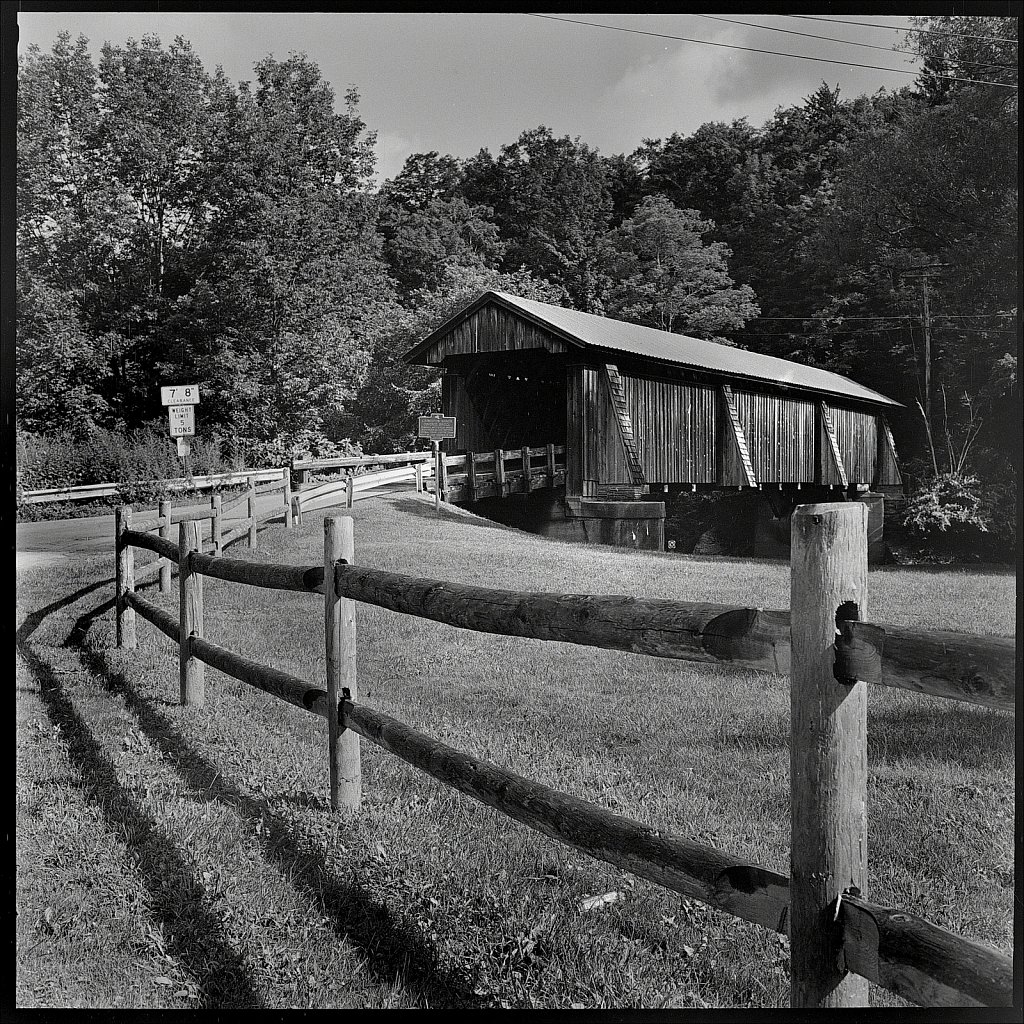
[(838, 938)]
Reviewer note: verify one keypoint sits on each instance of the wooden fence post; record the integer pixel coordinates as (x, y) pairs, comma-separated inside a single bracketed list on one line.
[(419, 477), (551, 465), (526, 469), (286, 478), (252, 512), (296, 510), (499, 473), (340, 633), (190, 616), (216, 502), (164, 511), (828, 751), (124, 578), (350, 490)]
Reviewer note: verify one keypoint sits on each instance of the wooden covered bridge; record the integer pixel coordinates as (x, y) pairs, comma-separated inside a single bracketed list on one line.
[(642, 414)]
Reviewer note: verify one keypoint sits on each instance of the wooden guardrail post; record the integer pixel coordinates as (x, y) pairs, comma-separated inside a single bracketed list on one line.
[(296, 510), (164, 512), (124, 582), (551, 465), (340, 633), (350, 490), (190, 616), (286, 479), (216, 532), (828, 751), (499, 473), (252, 511), (418, 467)]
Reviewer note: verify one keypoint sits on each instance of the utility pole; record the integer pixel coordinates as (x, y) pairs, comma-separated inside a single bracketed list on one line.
[(923, 273)]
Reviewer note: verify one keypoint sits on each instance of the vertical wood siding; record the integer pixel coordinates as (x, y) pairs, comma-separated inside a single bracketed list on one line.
[(780, 436), (857, 435), (674, 428), (492, 329)]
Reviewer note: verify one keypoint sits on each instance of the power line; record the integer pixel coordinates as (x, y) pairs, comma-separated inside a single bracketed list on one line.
[(897, 28), (774, 53), (849, 42)]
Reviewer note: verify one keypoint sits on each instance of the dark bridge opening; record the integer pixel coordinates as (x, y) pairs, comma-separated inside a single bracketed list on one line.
[(505, 400)]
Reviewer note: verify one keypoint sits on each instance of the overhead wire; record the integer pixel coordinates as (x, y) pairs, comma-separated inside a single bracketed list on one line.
[(900, 28), (775, 53), (850, 42)]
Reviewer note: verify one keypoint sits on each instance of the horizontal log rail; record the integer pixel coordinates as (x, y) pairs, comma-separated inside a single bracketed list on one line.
[(269, 576), (166, 623), (920, 961), (898, 951), (978, 670), (282, 685), (160, 545)]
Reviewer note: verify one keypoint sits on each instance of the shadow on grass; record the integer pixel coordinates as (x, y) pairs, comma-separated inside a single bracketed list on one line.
[(952, 732), (390, 950), (425, 510), (195, 935)]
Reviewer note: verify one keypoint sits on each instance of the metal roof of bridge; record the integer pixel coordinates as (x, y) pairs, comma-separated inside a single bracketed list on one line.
[(586, 330)]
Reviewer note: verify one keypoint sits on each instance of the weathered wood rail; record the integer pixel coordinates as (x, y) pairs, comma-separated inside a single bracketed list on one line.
[(838, 938), (501, 473), (86, 492), (344, 490), (302, 468)]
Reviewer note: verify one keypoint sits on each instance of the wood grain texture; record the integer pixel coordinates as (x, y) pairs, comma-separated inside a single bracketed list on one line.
[(941, 663), (270, 575), (701, 872), (340, 633), (251, 498), (828, 752), (160, 545), (166, 623), (922, 962), (190, 616), (164, 510), (671, 629), (124, 577), (286, 486), (288, 688)]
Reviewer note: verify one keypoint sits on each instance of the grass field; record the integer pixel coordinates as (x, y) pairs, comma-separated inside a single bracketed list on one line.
[(182, 857)]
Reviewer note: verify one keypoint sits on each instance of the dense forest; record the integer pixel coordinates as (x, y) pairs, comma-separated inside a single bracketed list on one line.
[(174, 226)]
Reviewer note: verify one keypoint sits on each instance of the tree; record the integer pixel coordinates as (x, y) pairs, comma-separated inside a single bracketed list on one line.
[(666, 277), (60, 372), (552, 203), (296, 272)]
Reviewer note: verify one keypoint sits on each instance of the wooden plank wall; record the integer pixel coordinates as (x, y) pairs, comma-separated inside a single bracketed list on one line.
[(780, 436), (674, 428), (492, 329), (857, 436)]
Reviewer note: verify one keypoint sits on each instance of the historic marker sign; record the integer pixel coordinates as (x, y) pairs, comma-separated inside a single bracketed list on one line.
[(436, 427), (180, 394), (182, 419)]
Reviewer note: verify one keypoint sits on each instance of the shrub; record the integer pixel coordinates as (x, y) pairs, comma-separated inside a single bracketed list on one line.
[(946, 515)]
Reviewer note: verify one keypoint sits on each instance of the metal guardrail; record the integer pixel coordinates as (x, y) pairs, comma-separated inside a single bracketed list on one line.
[(84, 492)]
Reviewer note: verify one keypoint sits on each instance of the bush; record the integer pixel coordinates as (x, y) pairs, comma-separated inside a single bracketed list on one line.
[(135, 461), (307, 444), (955, 515)]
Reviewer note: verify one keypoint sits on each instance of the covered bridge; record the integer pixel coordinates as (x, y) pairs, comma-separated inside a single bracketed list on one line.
[(643, 413)]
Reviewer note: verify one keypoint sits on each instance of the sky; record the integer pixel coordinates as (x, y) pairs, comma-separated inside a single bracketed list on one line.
[(457, 83)]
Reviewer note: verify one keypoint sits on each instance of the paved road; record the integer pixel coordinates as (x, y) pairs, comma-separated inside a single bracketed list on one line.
[(53, 541)]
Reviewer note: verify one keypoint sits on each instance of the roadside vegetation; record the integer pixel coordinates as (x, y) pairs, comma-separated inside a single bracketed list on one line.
[(172, 857)]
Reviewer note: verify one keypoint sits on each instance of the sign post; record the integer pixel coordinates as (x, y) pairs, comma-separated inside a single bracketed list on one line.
[(181, 401), (437, 428)]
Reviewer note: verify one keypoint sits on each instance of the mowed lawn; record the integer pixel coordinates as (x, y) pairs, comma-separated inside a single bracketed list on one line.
[(182, 857)]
